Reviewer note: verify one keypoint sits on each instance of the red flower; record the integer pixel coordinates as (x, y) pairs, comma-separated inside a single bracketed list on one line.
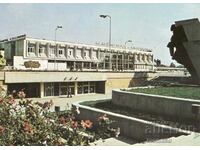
[(21, 94), (2, 129), (103, 118), (27, 127), (1, 100), (47, 105), (86, 124), (62, 120), (74, 124), (11, 99)]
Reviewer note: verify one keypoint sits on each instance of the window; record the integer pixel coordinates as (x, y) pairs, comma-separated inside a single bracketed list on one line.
[(53, 50), (60, 52), (80, 88), (31, 49), (85, 53), (41, 49), (92, 87), (70, 52), (86, 65)]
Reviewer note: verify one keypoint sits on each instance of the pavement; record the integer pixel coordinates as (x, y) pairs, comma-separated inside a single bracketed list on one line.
[(184, 140), (120, 141), (65, 103)]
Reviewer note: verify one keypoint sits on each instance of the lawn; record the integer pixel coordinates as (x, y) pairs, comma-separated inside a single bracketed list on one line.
[(181, 92)]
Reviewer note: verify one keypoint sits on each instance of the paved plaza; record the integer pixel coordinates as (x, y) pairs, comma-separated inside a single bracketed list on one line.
[(65, 102)]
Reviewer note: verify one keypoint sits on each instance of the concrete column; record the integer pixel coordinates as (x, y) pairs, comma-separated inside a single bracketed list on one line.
[(76, 88), (37, 48), (57, 54), (91, 52), (123, 61), (56, 50), (47, 50), (90, 65), (25, 48), (98, 54), (134, 61), (117, 61), (82, 54), (104, 64), (41, 90), (128, 63), (66, 51), (75, 49), (97, 67), (110, 62)]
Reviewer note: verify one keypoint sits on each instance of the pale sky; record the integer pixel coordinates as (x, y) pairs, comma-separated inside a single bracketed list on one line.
[(147, 25)]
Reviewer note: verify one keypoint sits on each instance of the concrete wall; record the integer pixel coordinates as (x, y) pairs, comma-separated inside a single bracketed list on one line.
[(125, 80), (175, 107), (130, 127), (113, 80), (36, 76)]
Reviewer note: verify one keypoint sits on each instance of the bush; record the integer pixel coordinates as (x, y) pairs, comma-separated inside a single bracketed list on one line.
[(31, 123)]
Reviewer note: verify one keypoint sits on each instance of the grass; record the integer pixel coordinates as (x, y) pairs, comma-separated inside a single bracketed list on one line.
[(181, 92)]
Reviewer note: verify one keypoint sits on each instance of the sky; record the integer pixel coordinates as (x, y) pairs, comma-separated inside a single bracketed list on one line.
[(147, 25)]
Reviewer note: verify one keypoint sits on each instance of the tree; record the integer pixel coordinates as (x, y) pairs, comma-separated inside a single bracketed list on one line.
[(158, 62), (172, 65)]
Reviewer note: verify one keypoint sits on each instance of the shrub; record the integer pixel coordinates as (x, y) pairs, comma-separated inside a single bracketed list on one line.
[(31, 123)]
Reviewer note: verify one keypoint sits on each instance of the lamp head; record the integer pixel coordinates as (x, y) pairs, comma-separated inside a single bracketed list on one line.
[(103, 16)]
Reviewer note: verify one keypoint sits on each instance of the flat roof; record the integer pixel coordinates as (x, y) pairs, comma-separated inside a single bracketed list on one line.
[(24, 36)]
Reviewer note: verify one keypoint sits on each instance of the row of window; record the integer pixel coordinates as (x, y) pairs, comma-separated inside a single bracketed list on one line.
[(58, 89), (86, 53)]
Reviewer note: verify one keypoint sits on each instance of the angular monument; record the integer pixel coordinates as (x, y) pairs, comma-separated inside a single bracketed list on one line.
[(185, 45)]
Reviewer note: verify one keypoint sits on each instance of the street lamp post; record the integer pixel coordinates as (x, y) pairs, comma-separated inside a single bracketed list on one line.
[(58, 27), (129, 41), (109, 44)]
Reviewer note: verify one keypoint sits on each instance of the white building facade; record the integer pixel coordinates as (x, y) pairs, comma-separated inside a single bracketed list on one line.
[(56, 55), (62, 66)]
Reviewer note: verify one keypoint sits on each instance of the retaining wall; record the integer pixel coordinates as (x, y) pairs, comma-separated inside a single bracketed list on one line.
[(163, 105), (138, 129)]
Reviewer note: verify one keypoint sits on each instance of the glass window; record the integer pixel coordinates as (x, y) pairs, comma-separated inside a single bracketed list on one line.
[(31, 49), (49, 89), (86, 65), (41, 49), (80, 88), (92, 89), (52, 49), (60, 52), (70, 52), (85, 89), (63, 88)]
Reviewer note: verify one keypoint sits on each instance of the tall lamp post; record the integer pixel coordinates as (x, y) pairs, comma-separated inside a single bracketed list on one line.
[(109, 44), (58, 27), (129, 41)]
